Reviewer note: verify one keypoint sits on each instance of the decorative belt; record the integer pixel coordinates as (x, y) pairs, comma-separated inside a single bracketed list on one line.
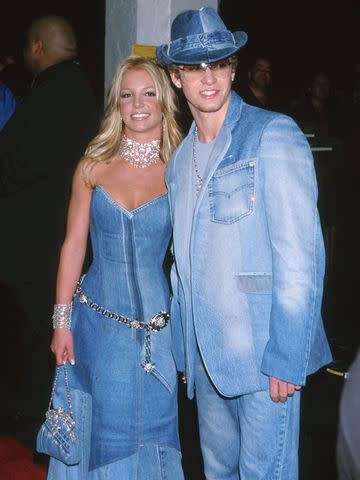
[(157, 323)]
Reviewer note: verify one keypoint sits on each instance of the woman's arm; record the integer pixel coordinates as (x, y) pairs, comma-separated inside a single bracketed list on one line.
[(71, 261)]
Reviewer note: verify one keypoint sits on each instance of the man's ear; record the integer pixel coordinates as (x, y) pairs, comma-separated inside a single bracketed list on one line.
[(37, 47), (174, 74)]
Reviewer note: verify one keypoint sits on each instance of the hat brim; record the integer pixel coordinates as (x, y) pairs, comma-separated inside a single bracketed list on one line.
[(202, 53)]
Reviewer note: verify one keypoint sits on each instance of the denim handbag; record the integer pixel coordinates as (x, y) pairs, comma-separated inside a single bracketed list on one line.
[(61, 434)]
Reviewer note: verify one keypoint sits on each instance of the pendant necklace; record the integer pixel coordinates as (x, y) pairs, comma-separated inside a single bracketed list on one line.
[(199, 181), (140, 155)]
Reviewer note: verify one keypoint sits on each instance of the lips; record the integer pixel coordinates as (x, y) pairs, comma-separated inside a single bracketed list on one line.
[(139, 116), (208, 93)]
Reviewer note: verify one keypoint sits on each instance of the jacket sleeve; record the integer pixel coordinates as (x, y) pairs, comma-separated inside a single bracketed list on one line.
[(178, 348), (286, 170)]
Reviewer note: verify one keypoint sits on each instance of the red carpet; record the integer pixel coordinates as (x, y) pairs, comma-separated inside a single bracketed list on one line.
[(17, 462)]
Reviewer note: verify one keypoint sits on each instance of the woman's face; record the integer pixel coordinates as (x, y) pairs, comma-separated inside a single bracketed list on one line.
[(139, 106)]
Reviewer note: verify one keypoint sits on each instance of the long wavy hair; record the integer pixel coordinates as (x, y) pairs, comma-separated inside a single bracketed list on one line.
[(106, 144)]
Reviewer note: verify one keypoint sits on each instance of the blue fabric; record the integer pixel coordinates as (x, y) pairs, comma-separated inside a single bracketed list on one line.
[(129, 407), (246, 437), (150, 462), (199, 36), (250, 258), (62, 447), (7, 104)]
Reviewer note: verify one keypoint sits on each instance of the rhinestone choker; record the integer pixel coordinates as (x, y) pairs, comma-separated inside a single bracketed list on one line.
[(140, 155)]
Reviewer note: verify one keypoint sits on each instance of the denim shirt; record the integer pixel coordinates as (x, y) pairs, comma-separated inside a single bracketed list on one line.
[(251, 284)]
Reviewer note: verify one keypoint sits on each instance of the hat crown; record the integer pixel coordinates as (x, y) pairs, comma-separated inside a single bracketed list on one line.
[(199, 36), (196, 22)]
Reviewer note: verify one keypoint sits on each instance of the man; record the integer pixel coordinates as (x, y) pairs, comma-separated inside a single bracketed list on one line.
[(257, 90), (249, 260), (39, 147)]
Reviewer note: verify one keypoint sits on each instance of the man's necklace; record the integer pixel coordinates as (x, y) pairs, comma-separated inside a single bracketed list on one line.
[(199, 181), (140, 155)]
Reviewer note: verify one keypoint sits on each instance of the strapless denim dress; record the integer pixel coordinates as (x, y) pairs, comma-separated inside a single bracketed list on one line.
[(129, 406)]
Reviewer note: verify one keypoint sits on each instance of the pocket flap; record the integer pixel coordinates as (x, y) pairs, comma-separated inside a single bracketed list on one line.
[(255, 282)]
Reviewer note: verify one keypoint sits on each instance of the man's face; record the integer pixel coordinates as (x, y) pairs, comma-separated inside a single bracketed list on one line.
[(206, 87), (260, 74), (320, 87)]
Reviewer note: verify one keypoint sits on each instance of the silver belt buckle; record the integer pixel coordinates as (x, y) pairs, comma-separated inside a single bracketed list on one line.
[(159, 321)]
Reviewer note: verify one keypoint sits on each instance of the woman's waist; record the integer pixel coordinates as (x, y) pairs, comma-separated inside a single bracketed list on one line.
[(127, 294)]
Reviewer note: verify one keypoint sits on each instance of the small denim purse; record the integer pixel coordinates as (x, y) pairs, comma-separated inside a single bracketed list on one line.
[(61, 434)]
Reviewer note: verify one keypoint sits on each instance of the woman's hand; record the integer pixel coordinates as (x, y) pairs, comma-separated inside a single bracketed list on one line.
[(62, 346)]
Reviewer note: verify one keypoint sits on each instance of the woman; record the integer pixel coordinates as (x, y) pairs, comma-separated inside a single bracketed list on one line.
[(120, 194)]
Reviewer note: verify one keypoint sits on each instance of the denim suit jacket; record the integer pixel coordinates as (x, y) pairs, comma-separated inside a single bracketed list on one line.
[(249, 259)]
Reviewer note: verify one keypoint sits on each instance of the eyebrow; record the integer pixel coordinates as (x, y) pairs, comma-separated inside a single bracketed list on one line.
[(144, 88)]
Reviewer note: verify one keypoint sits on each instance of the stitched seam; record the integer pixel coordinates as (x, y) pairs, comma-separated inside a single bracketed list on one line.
[(282, 438)]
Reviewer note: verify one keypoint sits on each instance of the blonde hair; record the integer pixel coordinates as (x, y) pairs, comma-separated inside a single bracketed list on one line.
[(107, 142)]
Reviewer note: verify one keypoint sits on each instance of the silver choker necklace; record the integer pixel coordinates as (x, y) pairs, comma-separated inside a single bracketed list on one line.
[(140, 155)]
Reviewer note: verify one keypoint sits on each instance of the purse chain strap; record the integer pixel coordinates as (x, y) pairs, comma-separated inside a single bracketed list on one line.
[(68, 395)]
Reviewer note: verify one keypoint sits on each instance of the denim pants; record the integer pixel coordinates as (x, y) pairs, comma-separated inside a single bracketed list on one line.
[(248, 437)]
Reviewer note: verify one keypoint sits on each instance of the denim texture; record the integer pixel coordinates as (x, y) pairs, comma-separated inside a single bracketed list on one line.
[(129, 407), (150, 462), (63, 449), (199, 36), (250, 260), (248, 437)]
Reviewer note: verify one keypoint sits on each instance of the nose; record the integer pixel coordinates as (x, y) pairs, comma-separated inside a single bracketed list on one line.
[(208, 76), (138, 101)]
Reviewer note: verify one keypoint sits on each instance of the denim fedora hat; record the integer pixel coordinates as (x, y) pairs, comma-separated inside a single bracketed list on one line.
[(199, 36)]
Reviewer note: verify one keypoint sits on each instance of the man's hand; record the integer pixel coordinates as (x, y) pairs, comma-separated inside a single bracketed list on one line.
[(280, 390)]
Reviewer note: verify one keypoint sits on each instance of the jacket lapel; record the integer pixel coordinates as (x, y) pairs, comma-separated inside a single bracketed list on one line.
[(221, 145)]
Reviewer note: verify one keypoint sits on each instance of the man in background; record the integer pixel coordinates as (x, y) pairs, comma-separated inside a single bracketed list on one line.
[(39, 148), (257, 90)]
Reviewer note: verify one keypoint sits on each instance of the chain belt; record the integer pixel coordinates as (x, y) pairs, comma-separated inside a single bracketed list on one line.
[(157, 323)]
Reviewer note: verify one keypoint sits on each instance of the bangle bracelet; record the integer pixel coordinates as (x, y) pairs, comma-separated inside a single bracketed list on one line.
[(61, 317)]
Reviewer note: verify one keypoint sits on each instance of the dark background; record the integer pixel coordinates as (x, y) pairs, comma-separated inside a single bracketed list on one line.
[(300, 38), (88, 19)]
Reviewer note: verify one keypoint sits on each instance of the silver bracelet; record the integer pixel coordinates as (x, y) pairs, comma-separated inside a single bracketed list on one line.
[(62, 315)]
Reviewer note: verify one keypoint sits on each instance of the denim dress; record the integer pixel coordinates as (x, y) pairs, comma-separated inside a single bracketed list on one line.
[(130, 407)]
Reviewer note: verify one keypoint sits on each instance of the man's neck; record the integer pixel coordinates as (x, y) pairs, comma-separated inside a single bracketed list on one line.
[(209, 123), (259, 94)]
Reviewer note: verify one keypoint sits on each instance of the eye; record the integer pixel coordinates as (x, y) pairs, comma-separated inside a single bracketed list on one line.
[(221, 65), (191, 68), (150, 93), (125, 95)]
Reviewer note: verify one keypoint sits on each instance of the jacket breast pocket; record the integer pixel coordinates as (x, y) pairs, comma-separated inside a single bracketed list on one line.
[(232, 192)]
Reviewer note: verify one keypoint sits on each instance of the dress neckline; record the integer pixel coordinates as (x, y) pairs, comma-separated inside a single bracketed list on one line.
[(122, 207)]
